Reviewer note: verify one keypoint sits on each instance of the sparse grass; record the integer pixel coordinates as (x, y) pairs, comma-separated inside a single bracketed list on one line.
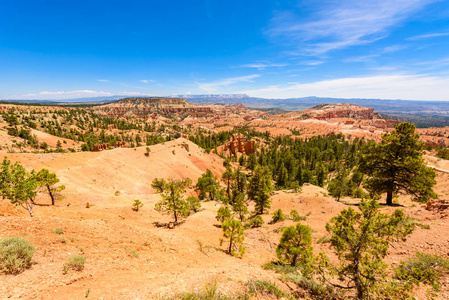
[(280, 229), (63, 240), (324, 239), (208, 293), (15, 255), (279, 268), (76, 262), (262, 287), (131, 252), (58, 231), (311, 286)]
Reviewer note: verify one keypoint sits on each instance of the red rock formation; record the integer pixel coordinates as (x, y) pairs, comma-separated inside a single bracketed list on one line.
[(121, 145), (440, 206), (101, 147), (240, 144)]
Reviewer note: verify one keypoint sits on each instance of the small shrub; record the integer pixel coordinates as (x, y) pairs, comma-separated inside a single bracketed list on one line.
[(15, 255), (117, 193), (255, 221), (278, 216), (58, 231), (422, 268), (137, 205), (294, 215), (194, 204), (76, 262), (223, 214)]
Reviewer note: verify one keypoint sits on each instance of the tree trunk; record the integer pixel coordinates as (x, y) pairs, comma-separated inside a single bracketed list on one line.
[(357, 280), (30, 208), (51, 195), (230, 245), (390, 198)]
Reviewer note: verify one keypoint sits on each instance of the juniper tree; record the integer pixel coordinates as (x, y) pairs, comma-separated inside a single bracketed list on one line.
[(172, 197), (207, 184), (278, 216), (223, 214), (194, 204), (239, 207), (234, 232), (48, 180), (17, 185), (295, 246), (395, 165), (361, 241), (339, 186)]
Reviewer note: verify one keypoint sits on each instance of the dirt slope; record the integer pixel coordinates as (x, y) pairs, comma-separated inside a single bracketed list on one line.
[(128, 257)]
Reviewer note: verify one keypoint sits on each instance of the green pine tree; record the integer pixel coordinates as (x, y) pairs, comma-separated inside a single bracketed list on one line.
[(395, 165), (259, 189)]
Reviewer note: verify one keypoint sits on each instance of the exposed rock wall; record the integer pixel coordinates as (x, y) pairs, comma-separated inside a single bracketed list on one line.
[(240, 144)]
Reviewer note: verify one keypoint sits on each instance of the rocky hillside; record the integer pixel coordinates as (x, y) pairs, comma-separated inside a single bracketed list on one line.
[(146, 106), (335, 111)]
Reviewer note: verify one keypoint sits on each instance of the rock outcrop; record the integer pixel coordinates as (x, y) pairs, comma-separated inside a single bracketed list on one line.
[(240, 144), (151, 107)]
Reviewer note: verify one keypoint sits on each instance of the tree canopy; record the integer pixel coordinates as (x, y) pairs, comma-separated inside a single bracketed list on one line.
[(172, 197), (395, 165)]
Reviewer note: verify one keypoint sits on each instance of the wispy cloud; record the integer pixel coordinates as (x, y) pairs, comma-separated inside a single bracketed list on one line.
[(370, 57), (428, 36), (262, 65), (339, 24), (408, 87), (102, 80), (215, 85), (312, 62), (146, 80)]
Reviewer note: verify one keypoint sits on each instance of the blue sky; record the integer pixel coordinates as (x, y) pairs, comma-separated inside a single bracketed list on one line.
[(273, 49)]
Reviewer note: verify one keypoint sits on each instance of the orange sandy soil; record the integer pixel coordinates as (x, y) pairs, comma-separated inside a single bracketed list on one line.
[(169, 261)]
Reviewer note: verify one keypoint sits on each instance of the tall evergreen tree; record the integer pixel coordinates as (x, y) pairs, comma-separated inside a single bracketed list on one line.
[(282, 178), (395, 165), (259, 189), (228, 176)]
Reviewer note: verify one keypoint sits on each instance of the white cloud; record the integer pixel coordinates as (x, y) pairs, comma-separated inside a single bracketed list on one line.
[(146, 80), (427, 36), (213, 86), (340, 24), (102, 80), (407, 87), (312, 62), (370, 57), (262, 65)]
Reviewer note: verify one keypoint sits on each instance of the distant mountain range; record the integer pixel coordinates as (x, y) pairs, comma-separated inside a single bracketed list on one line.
[(394, 107)]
